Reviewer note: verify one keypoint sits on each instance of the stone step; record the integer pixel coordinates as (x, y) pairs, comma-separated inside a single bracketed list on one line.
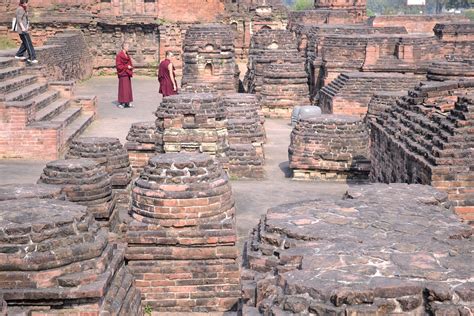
[(16, 83), (52, 110), (77, 127), (45, 99), (6, 62), (67, 116), (10, 72), (27, 92)]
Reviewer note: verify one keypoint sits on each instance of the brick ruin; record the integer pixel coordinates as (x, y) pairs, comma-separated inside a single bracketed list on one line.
[(39, 117), (350, 93), (330, 148), (193, 122), (182, 240), (427, 137), (56, 260), (142, 144), (276, 73), (227, 127), (372, 252), (110, 154), (246, 135), (209, 59), (86, 182)]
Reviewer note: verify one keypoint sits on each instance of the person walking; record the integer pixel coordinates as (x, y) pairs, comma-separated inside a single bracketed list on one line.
[(167, 77), (22, 25), (124, 65)]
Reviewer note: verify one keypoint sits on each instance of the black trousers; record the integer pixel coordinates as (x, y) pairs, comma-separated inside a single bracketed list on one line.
[(26, 45)]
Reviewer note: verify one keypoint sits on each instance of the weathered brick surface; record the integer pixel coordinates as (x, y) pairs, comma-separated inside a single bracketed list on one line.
[(56, 260), (356, 8), (85, 182), (276, 72), (110, 154), (246, 135), (142, 144), (209, 59), (426, 137), (330, 147), (332, 49), (451, 70), (416, 23), (23, 191), (372, 252), (350, 93), (208, 123), (181, 243), (193, 123), (38, 118)]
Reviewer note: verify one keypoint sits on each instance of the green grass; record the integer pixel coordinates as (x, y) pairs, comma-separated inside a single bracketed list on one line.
[(469, 14), (300, 5), (6, 43)]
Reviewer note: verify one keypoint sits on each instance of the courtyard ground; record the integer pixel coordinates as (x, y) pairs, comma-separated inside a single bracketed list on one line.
[(253, 198)]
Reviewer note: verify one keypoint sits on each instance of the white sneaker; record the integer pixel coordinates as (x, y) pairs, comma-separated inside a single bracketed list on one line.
[(20, 57), (33, 61), (130, 105)]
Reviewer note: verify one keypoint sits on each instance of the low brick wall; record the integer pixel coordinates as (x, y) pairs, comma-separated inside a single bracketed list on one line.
[(416, 23)]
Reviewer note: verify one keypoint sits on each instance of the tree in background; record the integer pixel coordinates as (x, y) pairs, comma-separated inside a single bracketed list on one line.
[(389, 7), (299, 5)]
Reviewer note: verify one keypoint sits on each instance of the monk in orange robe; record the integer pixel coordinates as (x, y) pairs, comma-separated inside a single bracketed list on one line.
[(167, 77), (124, 66)]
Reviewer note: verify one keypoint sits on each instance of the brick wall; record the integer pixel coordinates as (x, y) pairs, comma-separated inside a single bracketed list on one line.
[(66, 56), (416, 23)]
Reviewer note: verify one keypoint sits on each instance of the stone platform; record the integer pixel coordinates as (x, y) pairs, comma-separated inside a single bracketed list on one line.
[(382, 249), (56, 260)]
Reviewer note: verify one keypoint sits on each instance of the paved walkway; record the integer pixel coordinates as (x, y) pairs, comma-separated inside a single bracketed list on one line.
[(253, 198)]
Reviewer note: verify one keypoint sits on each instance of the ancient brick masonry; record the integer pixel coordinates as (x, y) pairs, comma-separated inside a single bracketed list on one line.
[(209, 59), (85, 182), (22, 191), (228, 127), (373, 252), (109, 152), (142, 144), (276, 72), (39, 118), (427, 137), (330, 147), (451, 70), (181, 243), (193, 122), (56, 260), (246, 135), (350, 93)]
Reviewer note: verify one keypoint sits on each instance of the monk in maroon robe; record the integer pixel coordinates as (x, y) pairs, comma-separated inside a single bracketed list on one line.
[(124, 66), (167, 77)]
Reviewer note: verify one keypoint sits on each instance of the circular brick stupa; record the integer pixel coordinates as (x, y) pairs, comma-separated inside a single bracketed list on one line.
[(330, 147), (142, 144), (85, 182), (109, 152), (56, 260), (181, 243)]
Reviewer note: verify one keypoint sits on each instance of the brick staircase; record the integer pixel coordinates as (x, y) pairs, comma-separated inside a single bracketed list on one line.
[(350, 93), (39, 118)]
